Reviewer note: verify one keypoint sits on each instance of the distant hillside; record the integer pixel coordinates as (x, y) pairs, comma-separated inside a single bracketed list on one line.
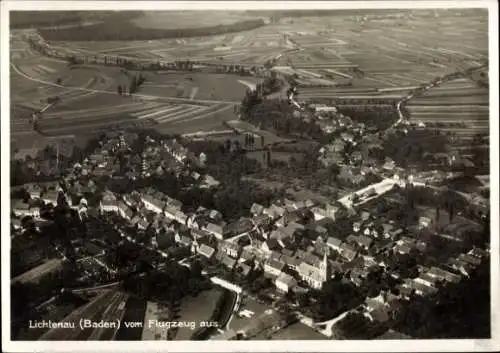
[(27, 19), (319, 13), (40, 19), (119, 29)]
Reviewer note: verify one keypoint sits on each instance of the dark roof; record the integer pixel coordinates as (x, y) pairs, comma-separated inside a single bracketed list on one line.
[(332, 241), (275, 264), (245, 269), (365, 241), (272, 244), (228, 261)]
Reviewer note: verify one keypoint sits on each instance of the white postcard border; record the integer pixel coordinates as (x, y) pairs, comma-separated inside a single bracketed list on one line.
[(247, 346)]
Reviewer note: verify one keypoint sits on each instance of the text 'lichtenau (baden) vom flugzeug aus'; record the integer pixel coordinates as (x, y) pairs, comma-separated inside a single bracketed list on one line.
[(87, 323)]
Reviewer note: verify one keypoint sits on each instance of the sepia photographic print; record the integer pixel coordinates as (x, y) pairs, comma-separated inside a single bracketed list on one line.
[(301, 176)]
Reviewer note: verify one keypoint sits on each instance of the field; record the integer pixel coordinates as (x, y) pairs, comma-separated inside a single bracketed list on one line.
[(241, 323), (458, 108), (375, 56), (205, 86), (391, 51), (199, 308), (173, 102)]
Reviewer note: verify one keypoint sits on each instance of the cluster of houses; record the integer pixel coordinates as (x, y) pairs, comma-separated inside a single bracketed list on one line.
[(452, 271), (330, 120), (289, 241), (44, 193), (271, 239), (79, 183)]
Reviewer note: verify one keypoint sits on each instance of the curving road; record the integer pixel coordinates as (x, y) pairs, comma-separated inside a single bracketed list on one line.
[(434, 83)]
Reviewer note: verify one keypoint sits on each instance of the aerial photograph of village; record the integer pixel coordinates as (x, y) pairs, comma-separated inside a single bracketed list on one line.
[(249, 175)]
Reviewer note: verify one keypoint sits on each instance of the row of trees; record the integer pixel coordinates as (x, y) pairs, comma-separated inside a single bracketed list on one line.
[(26, 296), (168, 286), (276, 115), (407, 149), (381, 115), (221, 314), (334, 298), (134, 85)]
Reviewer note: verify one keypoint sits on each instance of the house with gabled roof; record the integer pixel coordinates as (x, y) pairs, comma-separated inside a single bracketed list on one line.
[(125, 211), (274, 211), (291, 261), (319, 213), (286, 243), (169, 211), (22, 209), (206, 251), (129, 200), (270, 245), (403, 248), (216, 230), (256, 209), (334, 243), (273, 267), (180, 217), (174, 203), (311, 259), (243, 269), (352, 239), (348, 252), (364, 241), (153, 204), (108, 204), (216, 216), (197, 233), (262, 220), (247, 255), (443, 275), (284, 282), (230, 248), (472, 260), (420, 288), (185, 241), (50, 197), (228, 261), (34, 190), (461, 266)]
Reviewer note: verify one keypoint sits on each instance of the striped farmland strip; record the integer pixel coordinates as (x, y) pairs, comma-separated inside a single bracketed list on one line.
[(206, 113), (61, 122), (151, 114), (122, 108), (465, 107), (46, 69), (87, 126), (174, 117), (479, 100)]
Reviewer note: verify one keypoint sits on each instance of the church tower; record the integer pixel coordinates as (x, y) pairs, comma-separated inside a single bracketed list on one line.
[(323, 267)]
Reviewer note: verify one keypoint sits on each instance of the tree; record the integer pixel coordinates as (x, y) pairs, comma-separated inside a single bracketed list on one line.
[(133, 85), (72, 60), (140, 80), (120, 91)]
